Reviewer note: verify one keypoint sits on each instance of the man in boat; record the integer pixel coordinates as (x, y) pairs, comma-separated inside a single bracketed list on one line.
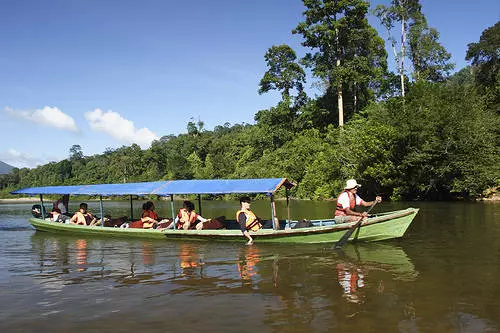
[(83, 217), (348, 200), (62, 204), (247, 219)]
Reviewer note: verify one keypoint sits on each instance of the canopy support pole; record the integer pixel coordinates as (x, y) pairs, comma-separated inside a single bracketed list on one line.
[(288, 207), (42, 208), (66, 202), (102, 213), (199, 205), (172, 208), (131, 209), (273, 213)]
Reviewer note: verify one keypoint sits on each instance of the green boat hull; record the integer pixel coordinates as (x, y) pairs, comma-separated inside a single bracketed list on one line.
[(386, 226)]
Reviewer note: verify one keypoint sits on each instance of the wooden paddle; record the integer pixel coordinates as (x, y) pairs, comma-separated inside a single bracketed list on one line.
[(349, 232)]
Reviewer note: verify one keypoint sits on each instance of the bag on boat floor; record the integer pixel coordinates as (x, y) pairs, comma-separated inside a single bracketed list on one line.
[(164, 223), (215, 223), (303, 224), (117, 222)]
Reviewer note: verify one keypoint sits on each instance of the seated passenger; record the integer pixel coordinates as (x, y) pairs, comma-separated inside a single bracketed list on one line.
[(57, 216), (247, 220), (83, 217), (149, 218), (348, 200), (187, 217)]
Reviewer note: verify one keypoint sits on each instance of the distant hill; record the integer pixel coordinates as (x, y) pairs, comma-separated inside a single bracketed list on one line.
[(5, 168)]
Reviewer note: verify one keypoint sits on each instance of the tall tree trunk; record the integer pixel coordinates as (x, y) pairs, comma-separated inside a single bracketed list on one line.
[(402, 67), (355, 98), (340, 102)]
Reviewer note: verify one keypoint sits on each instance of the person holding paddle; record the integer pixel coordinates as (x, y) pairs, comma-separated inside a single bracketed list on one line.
[(348, 200)]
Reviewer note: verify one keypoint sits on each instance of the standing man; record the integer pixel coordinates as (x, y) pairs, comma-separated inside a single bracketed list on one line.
[(348, 200), (247, 219), (62, 204)]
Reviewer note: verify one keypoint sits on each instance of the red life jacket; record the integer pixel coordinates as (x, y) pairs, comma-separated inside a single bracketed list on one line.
[(340, 211), (151, 214)]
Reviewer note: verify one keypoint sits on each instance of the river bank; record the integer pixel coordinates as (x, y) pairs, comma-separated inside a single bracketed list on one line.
[(19, 200)]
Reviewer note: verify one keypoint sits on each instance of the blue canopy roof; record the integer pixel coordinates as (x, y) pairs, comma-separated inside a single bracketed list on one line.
[(168, 187)]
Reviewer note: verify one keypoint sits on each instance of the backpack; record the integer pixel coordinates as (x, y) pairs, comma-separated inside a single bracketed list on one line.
[(303, 224)]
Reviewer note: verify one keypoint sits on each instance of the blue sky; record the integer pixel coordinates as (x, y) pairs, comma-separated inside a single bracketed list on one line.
[(111, 73)]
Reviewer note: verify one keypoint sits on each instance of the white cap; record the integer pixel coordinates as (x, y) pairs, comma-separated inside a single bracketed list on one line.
[(350, 184)]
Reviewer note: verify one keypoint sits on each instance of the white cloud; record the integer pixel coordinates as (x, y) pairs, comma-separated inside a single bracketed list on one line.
[(48, 116), (121, 129), (20, 160)]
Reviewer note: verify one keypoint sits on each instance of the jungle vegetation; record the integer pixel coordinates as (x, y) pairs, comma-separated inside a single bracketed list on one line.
[(419, 133)]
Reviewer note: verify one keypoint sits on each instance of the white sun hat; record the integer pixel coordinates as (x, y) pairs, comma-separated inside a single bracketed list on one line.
[(350, 184)]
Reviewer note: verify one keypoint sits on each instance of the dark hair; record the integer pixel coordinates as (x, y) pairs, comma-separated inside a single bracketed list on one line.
[(245, 199), (149, 205), (84, 206), (56, 210), (188, 205)]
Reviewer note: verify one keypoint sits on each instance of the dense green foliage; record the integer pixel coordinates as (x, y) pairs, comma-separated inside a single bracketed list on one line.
[(439, 141)]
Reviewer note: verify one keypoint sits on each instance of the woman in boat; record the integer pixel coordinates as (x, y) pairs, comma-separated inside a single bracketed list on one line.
[(149, 218), (187, 217), (82, 216), (348, 200), (247, 219)]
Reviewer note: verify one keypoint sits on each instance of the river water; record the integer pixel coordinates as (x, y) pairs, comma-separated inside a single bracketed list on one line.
[(443, 276)]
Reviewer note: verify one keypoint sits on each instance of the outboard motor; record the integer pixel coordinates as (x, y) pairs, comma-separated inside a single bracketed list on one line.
[(36, 210)]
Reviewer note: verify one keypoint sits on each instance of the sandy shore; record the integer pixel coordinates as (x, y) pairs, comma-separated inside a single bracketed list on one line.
[(19, 200)]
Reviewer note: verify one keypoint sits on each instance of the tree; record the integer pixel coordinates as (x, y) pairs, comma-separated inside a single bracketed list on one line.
[(284, 73), (485, 58), (429, 58), (445, 144), (348, 55), (75, 153), (191, 128)]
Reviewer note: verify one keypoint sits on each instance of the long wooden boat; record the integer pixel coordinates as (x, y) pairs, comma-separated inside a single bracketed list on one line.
[(386, 226), (379, 227)]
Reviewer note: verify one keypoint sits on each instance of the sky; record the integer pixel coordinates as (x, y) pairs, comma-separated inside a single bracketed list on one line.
[(103, 74)]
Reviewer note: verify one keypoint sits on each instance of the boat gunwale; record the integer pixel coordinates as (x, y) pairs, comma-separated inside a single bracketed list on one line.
[(222, 233)]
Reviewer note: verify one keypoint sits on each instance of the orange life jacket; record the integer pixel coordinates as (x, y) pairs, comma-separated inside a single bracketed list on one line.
[(340, 211), (185, 216), (252, 222)]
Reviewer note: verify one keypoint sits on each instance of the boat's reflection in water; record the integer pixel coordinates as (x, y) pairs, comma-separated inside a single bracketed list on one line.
[(307, 287), (199, 266)]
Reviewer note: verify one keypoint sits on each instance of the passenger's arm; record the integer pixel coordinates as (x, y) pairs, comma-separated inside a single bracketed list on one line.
[(201, 219), (74, 219), (378, 199), (242, 220), (350, 212)]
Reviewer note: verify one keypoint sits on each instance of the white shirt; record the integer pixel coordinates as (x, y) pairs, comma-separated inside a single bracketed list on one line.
[(344, 200), (61, 206)]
